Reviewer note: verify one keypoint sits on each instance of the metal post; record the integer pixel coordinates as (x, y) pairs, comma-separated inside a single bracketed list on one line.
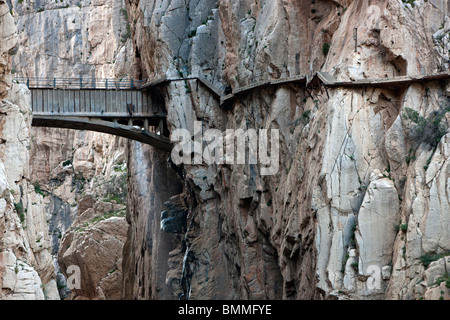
[(54, 83), (355, 36), (132, 84), (81, 83), (106, 84), (160, 128), (28, 82)]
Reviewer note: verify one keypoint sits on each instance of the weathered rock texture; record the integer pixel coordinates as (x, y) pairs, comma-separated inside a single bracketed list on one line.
[(78, 171), (360, 198), (8, 44), (26, 267), (149, 250), (72, 38), (94, 243)]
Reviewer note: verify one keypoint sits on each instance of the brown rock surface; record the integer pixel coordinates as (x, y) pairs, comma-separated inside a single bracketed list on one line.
[(94, 243)]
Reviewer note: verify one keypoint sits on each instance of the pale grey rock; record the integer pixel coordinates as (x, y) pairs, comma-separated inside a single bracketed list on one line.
[(434, 271), (376, 220), (386, 272), (51, 290)]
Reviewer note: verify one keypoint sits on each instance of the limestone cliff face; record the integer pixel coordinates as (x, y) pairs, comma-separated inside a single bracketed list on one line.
[(26, 267), (72, 38), (149, 254), (82, 174), (360, 200), (9, 40)]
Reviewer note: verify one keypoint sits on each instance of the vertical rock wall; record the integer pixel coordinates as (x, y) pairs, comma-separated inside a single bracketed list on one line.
[(26, 268), (149, 250), (359, 206), (82, 174), (356, 195)]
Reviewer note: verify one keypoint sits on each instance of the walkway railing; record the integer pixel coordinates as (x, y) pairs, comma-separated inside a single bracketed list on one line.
[(80, 83)]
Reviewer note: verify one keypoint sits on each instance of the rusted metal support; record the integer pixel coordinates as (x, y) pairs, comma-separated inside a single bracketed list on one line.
[(160, 128), (309, 93), (326, 90)]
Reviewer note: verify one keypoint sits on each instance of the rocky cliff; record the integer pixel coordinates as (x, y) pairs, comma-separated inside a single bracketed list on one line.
[(26, 267), (82, 174), (359, 205)]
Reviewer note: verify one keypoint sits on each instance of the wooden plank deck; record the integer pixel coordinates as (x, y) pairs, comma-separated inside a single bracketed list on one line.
[(394, 81), (93, 102)]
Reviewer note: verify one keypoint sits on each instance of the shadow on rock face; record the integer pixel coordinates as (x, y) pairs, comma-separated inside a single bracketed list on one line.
[(173, 219)]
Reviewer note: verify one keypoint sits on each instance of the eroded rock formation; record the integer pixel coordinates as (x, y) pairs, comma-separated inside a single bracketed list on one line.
[(357, 190), (359, 206), (26, 268), (81, 174)]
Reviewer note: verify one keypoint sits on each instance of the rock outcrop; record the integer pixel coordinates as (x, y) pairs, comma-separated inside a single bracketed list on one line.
[(94, 243), (360, 196)]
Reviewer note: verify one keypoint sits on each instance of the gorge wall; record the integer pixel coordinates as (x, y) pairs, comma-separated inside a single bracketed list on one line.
[(359, 207), (26, 268), (359, 189), (81, 175)]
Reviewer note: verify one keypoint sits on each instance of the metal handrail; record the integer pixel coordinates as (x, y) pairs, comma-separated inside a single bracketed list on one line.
[(80, 83), (133, 84)]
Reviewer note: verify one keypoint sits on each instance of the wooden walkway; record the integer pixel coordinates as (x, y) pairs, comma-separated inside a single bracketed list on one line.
[(388, 82), (134, 110), (326, 80)]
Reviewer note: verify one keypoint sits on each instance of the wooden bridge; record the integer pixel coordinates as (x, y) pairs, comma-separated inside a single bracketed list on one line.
[(129, 108), (109, 105)]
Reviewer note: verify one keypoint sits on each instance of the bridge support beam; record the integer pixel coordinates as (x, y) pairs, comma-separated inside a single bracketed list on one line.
[(160, 127), (86, 123)]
